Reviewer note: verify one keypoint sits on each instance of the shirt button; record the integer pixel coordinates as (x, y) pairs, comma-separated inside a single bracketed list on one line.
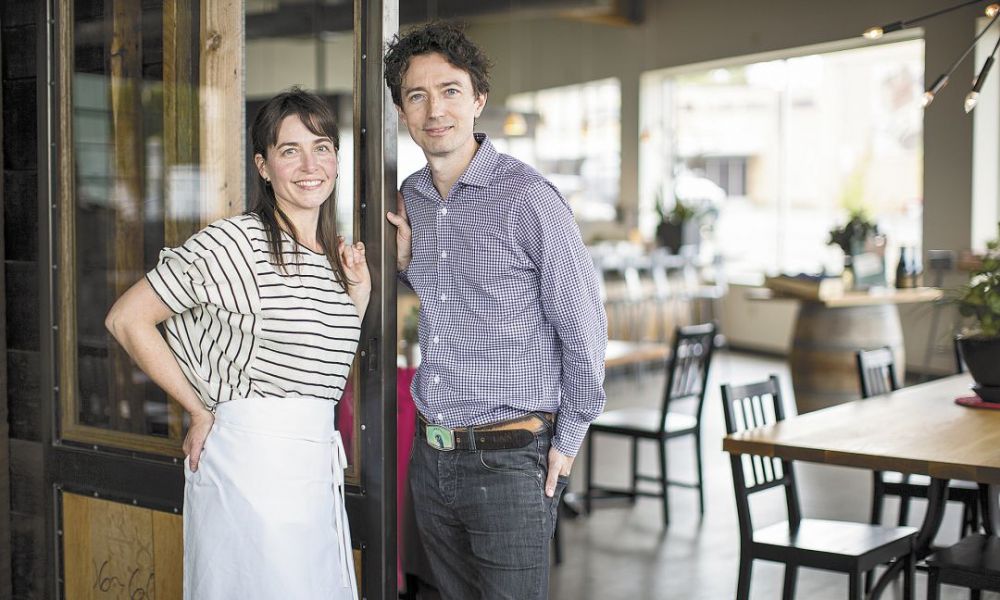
[(437, 379), (436, 339), (444, 210), (444, 297), (444, 254), (440, 417)]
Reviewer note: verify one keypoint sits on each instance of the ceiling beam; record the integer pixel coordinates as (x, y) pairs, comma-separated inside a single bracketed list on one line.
[(293, 19)]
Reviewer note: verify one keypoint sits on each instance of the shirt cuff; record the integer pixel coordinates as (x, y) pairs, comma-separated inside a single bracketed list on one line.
[(569, 435)]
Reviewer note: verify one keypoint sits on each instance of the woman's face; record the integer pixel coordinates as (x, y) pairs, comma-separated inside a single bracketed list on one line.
[(301, 166)]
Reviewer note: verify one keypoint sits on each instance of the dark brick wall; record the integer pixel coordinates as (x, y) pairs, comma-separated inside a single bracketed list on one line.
[(22, 570)]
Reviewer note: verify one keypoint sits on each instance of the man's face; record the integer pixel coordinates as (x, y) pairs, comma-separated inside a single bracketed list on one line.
[(440, 105)]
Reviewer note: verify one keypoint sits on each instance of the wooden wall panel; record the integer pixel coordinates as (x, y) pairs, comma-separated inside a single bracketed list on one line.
[(111, 550), (180, 118), (168, 554), (221, 122), (126, 119)]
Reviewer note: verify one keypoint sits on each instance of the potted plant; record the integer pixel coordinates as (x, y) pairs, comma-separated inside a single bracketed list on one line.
[(678, 226), (852, 236), (864, 249), (979, 302)]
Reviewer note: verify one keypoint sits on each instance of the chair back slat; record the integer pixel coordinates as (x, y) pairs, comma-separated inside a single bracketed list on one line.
[(687, 369), (748, 407), (876, 372)]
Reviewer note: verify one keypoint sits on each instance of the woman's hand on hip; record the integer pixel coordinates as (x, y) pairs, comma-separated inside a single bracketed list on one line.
[(194, 443)]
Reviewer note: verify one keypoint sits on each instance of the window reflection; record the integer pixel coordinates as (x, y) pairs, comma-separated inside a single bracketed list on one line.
[(134, 177)]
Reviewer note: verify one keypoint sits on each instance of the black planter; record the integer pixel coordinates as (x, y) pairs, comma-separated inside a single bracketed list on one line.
[(669, 235), (982, 356), (672, 235)]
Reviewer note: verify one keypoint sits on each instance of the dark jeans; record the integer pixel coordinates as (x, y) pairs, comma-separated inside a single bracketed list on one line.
[(485, 520)]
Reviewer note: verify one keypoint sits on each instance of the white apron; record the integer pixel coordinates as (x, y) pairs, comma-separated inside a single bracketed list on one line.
[(264, 515)]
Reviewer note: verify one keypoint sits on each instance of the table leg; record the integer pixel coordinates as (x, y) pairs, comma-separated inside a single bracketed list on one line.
[(937, 498)]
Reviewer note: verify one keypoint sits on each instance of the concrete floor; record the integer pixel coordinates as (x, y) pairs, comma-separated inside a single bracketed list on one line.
[(624, 552)]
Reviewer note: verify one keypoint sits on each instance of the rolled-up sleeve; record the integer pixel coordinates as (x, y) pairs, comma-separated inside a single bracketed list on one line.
[(212, 267), (571, 303)]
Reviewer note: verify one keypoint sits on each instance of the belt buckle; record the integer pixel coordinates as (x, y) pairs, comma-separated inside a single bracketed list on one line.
[(440, 438)]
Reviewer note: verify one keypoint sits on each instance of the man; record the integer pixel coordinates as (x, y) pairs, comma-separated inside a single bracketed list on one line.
[(512, 330)]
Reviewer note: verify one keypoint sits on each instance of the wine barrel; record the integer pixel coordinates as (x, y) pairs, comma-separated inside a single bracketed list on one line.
[(823, 365)]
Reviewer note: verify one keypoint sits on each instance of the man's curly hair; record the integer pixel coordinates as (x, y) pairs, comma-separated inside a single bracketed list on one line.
[(447, 39)]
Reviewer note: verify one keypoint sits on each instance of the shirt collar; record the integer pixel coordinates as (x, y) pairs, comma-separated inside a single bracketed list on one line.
[(478, 174)]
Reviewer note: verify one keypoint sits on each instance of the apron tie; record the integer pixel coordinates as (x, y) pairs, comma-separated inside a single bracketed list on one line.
[(339, 463)]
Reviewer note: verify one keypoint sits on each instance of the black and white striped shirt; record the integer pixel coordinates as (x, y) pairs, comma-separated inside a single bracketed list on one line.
[(245, 329)]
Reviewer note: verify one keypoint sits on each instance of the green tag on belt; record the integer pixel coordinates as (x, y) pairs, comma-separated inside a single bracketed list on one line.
[(441, 438)]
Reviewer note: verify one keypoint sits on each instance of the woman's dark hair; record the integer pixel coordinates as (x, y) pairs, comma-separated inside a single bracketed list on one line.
[(318, 118), (447, 39)]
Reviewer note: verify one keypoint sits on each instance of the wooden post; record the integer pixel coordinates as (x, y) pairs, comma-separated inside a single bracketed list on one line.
[(221, 117), (181, 215), (127, 194)]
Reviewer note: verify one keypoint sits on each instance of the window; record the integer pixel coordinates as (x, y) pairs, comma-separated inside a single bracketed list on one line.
[(575, 143), (145, 160), (780, 150)]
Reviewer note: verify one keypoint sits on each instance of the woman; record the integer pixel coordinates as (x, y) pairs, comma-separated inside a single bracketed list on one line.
[(263, 313)]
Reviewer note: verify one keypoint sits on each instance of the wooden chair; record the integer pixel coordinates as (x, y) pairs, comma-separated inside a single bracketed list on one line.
[(974, 562), (687, 374), (877, 376), (844, 547)]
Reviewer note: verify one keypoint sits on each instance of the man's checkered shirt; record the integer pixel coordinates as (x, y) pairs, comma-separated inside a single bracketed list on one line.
[(511, 319)]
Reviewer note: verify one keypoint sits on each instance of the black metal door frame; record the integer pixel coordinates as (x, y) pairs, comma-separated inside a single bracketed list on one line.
[(373, 506)]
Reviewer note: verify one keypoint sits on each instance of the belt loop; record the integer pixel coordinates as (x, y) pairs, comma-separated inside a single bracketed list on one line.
[(472, 437)]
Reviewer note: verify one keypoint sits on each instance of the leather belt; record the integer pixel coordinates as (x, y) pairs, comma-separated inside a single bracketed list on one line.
[(506, 435)]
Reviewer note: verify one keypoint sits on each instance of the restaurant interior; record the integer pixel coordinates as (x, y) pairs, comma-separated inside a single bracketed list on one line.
[(792, 209)]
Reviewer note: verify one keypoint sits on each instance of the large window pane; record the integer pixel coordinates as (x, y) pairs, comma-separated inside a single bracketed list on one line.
[(782, 150)]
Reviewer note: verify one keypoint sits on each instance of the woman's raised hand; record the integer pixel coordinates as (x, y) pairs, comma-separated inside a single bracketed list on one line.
[(359, 280)]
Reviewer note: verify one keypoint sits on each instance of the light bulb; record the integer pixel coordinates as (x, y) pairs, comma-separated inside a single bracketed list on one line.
[(970, 101), (515, 125), (992, 10), (873, 33), (939, 83)]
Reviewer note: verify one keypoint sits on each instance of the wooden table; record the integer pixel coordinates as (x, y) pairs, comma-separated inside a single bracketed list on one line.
[(829, 331), (917, 430), (621, 353)]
